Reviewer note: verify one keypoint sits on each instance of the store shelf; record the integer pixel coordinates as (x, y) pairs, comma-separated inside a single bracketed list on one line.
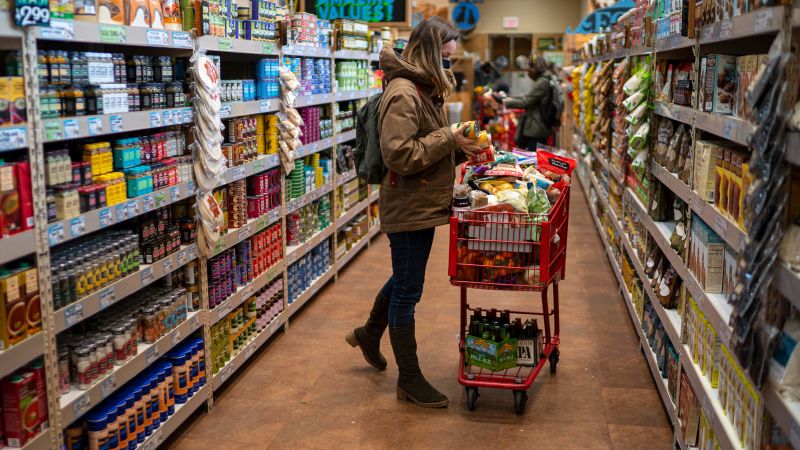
[(313, 288), (295, 252), (342, 96), (343, 178), (787, 282), (351, 54), (622, 53), (95, 220), (7, 28), (602, 194), (13, 138), (348, 215), (247, 351), (723, 226), (314, 147), (244, 292), (239, 46), (731, 128), (709, 402), (41, 441), (238, 109), (76, 403), (17, 245), (316, 194), (674, 42), (264, 162), (374, 196), (602, 160), (311, 100), (671, 181), (661, 233), (79, 127), (350, 254), (374, 57), (182, 412), (237, 235), (715, 308), (375, 91), (301, 50), (765, 20), (97, 301), (96, 33), (346, 136), (672, 111), (20, 354), (661, 383), (793, 148), (785, 412)]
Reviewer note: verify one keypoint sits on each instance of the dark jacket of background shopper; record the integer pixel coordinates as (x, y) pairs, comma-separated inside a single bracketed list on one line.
[(531, 127)]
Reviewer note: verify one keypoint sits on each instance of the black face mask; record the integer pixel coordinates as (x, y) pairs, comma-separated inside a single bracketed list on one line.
[(446, 63)]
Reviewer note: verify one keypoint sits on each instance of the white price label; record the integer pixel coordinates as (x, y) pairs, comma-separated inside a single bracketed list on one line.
[(249, 350), (244, 233), (71, 129), (166, 118), (721, 225), (155, 119), (81, 405), (107, 297), (247, 291), (121, 211), (181, 39), (55, 234), (160, 198), (697, 204), (730, 129), (190, 187), (174, 194), (95, 125), (182, 258), (168, 265), (59, 30), (265, 106), (237, 173), (73, 314), (152, 444), (187, 115), (157, 37), (195, 322), (133, 208), (223, 309), (192, 252), (108, 386), (763, 20), (105, 218), (148, 203), (177, 116), (77, 226), (146, 276), (152, 354), (225, 111), (176, 337), (708, 33), (273, 215), (726, 29), (115, 123), (13, 138)]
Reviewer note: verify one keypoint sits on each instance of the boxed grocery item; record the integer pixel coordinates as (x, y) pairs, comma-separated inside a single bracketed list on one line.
[(746, 68), (21, 415), (689, 411), (29, 281), (719, 84), (491, 355), (12, 311), (707, 256), (730, 270), (705, 163)]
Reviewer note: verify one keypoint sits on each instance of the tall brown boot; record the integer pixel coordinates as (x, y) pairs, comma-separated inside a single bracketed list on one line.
[(368, 337), (411, 384)]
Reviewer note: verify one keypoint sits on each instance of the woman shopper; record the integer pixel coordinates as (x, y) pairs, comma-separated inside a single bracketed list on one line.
[(419, 150), (532, 128)]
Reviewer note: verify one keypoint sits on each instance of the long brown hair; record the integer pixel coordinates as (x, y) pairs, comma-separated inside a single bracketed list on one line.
[(424, 49)]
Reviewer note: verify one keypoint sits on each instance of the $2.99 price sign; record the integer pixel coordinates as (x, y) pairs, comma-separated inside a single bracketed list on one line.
[(29, 13)]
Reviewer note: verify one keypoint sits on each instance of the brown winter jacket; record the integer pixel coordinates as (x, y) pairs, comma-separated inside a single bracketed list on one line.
[(418, 147)]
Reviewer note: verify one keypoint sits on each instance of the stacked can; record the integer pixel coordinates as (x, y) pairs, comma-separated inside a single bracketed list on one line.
[(269, 303), (294, 234), (311, 124), (221, 196), (324, 212), (296, 180), (266, 249), (267, 134), (244, 270), (267, 78), (237, 204), (307, 269), (294, 64), (263, 193), (322, 72)]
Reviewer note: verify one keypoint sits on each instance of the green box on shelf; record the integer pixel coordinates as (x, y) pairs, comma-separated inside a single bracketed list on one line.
[(491, 355)]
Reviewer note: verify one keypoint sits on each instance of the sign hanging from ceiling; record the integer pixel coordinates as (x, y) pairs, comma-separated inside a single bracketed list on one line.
[(465, 15), (376, 12), (602, 18)]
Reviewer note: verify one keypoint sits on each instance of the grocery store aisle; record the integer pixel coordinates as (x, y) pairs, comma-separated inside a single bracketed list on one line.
[(309, 389)]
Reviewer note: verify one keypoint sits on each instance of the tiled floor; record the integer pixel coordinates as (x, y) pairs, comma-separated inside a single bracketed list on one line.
[(309, 389)]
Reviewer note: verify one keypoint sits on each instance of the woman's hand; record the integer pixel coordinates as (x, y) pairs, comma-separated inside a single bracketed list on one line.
[(467, 145)]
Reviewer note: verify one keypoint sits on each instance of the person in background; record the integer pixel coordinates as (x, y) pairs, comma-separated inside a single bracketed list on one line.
[(420, 152), (485, 74), (531, 128)]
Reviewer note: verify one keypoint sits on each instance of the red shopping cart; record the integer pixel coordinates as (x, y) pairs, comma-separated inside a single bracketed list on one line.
[(506, 250)]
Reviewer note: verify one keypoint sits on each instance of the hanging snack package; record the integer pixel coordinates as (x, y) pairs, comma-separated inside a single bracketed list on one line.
[(505, 170), (634, 100), (555, 167)]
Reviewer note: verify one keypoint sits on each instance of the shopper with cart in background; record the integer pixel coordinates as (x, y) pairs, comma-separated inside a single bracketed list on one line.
[(541, 107)]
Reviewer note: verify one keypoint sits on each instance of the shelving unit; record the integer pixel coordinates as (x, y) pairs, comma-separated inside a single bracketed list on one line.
[(750, 31), (40, 242)]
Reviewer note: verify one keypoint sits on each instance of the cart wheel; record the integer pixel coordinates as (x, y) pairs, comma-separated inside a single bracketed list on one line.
[(472, 398), (553, 360), (520, 400)]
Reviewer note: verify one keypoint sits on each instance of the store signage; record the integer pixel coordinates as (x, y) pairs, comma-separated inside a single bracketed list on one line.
[(28, 13), (602, 18), (376, 12), (511, 22), (465, 15)]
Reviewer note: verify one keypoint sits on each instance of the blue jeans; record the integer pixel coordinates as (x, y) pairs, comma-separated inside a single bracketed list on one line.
[(410, 251)]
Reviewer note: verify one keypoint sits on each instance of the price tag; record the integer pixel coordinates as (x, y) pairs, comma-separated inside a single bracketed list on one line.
[(73, 314), (697, 204), (176, 337), (192, 252), (177, 116), (108, 386), (218, 246), (148, 203), (160, 199), (273, 215), (708, 33), (112, 34), (265, 106), (225, 44), (190, 187), (155, 119), (105, 218), (95, 125), (237, 173), (153, 442), (77, 226), (168, 265), (59, 30), (247, 291), (81, 405), (115, 123), (13, 138), (259, 165), (225, 111), (121, 212), (157, 37), (187, 115), (71, 129), (730, 129), (763, 22), (721, 225), (249, 350), (55, 234), (269, 48), (133, 208), (182, 258), (174, 194), (726, 29), (244, 233), (166, 118), (195, 322), (152, 354), (146, 276), (107, 297), (223, 309), (181, 39), (53, 130)]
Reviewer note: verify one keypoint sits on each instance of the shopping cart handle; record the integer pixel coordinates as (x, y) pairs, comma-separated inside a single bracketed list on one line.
[(556, 239)]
